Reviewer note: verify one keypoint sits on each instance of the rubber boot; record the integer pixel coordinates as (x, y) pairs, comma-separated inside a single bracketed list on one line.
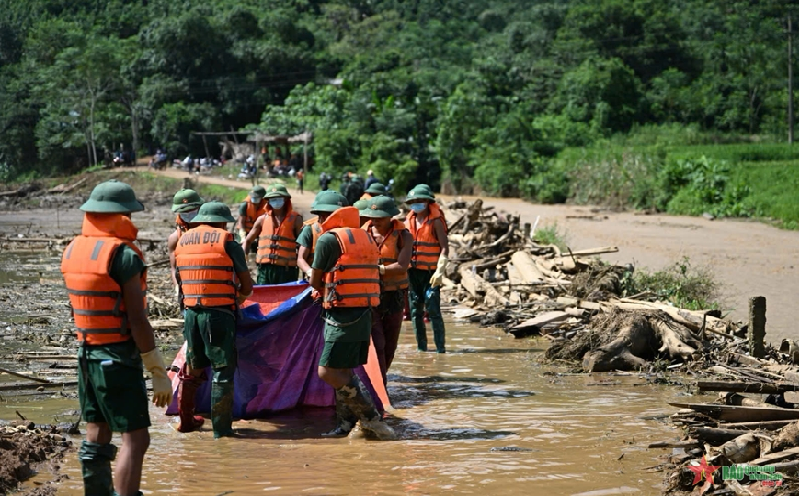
[(345, 419), (95, 460), (222, 406), (187, 392), (138, 493), (360, 402)]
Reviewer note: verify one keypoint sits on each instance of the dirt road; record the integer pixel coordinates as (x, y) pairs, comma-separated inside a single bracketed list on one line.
[(747, 258)]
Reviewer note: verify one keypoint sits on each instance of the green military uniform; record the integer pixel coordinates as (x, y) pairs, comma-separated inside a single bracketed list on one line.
[(111, 377), (347, 330)]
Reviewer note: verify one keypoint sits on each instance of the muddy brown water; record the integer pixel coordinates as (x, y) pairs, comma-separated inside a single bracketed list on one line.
[(579, 435)]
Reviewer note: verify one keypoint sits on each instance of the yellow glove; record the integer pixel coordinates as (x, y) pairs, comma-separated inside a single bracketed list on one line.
[(242, 235), (381, 269), (438, 275), (162, 386), (241, 298)]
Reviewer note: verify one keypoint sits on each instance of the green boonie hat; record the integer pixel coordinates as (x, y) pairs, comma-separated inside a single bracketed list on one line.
[(277, 191), (186, 200), (420, 192), (380, 206), (112, 197), (257, 194), (213, 212), (361, 205), (328, 201), (376, 189)]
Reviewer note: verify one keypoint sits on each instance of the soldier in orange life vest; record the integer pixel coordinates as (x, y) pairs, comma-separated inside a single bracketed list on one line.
[(325, 203), (276, 232), (186, 203), (395, 244), (345, 270), (253, 207), (428, 262), (214, 279), (105, 277)]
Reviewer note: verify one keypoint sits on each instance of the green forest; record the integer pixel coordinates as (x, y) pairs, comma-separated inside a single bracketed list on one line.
[(646, 103)]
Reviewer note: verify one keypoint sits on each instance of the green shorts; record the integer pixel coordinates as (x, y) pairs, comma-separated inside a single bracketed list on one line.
[(111, 386), (276, 274), (211, 338), (344, 355)]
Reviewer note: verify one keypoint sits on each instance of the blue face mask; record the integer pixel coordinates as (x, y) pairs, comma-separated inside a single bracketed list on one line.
[(277, 203), (418, 207)]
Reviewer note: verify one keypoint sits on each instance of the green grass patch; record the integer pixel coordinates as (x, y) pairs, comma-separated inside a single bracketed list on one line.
[(225, 194), (551, 235), (682, 284)]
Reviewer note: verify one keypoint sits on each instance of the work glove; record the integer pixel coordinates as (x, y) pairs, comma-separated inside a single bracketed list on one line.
[(438, 275), (242, 235), (308, 274), (162, 386), (381, 269), (241, 298)]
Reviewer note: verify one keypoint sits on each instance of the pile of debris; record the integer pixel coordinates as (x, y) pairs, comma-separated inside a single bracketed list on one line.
[(500, 276), (26, 448), (750, 434)]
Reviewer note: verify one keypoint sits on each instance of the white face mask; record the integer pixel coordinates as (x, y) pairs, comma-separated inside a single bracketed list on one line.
[(277, 203), (417, 207)]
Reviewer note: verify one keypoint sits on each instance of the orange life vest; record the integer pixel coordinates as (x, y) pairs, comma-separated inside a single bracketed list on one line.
[(389, 254), (205, 270), (316, 231), (355, 280), (253, 212), (426, 248), (366, 196), (277, 243), (96, 298)]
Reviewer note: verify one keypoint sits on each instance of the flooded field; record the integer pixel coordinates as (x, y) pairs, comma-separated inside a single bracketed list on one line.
[(458, 415)]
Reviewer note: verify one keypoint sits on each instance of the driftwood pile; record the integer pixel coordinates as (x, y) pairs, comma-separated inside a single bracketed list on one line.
[(500, 276), (754, 422)]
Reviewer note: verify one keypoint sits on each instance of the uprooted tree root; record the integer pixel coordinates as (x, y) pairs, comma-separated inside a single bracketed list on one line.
[(627, 340)]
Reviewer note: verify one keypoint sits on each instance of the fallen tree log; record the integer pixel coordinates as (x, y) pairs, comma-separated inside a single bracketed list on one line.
[(526, 268), (746, 387), (730, 413), (714, 435)]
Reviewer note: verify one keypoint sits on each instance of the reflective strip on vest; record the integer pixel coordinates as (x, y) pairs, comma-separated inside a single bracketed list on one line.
[(389, 254), (354, 282), (277, 244), (205, 270), (426, 247), (96, 299)]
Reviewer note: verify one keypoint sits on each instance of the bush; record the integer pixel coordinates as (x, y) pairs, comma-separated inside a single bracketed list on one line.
[(681, 284)]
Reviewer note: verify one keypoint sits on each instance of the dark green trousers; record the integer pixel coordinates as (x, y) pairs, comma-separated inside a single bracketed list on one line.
[(422, 297), (276, 274)]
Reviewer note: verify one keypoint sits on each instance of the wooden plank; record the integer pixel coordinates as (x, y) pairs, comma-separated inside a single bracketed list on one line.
[(746, 387), (730, 413), (541, 321), (769, 426), (676, 444), (595, 251), (527, 268), (775, 457), (35, 385)]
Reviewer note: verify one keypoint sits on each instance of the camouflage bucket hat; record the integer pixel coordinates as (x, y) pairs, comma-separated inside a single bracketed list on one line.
[(328, 202), (380, 206), (112, 197), (213, 212), (186, 200), (277, 191)]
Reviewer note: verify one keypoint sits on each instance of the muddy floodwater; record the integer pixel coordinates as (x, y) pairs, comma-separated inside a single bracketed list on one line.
[(458, 414)]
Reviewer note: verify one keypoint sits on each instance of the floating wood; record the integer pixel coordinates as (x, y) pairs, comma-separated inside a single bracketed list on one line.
[(16, 386), (23, 376), (746, 387)]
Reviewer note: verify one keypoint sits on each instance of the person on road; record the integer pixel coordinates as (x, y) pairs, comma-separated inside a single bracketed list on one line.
[(214, 280), (276, 232), (253, 207), (300, 178), (345, 270), (396, 245), (324, 181), (428, 262), (325, 203), (376, 189), (106, 280), (185, 204), (370, 179), (354, 189)]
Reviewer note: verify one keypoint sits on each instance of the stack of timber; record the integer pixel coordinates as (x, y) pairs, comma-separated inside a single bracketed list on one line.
[(500, 277)]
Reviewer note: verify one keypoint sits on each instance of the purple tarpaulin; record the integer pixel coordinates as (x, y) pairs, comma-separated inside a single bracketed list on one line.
[(278, 355)]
